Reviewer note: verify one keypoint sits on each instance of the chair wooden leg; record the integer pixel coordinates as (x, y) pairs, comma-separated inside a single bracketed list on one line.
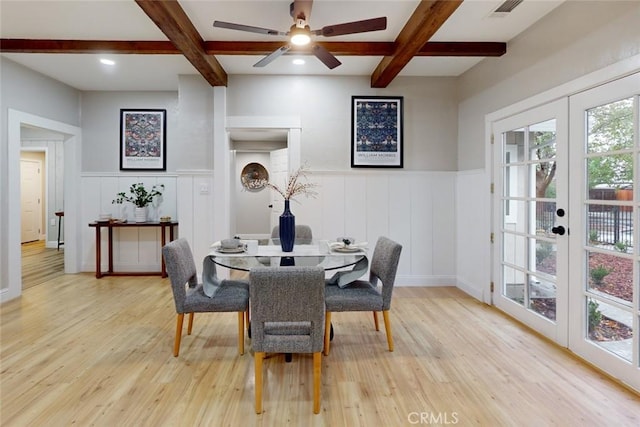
[(317, 371), (387, 327), (190, 323), (327, 332), (375, 320), (176, 343), (258, 357), (247, 321), (241, 332)]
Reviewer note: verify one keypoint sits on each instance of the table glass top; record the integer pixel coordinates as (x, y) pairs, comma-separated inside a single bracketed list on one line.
[(271, 255)]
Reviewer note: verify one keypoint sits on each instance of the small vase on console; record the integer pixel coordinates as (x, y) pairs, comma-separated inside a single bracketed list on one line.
[(287, 228), (141, 214)]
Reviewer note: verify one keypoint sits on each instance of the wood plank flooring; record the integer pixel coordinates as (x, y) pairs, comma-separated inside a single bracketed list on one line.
[(82, 351), (40, 263)]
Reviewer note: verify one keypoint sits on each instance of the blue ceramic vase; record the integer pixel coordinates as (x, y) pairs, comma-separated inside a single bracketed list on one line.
[(287, 228)]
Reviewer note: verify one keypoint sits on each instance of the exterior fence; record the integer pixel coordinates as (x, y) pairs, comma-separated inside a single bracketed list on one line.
[(606, 224)]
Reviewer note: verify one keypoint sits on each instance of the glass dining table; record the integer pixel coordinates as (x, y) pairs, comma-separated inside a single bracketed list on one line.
[(270, 254)]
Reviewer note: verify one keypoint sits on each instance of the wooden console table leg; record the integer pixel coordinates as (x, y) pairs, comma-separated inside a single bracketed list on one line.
[(163, 241), (110, 247), (98, 257)]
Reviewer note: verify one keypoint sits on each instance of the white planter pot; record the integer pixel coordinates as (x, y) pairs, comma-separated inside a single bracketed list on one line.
[(141, 214)]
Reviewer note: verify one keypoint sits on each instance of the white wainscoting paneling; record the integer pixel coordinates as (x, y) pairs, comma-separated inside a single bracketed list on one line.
[(473, 201), (134, 249), (197, 207), (417, 209)]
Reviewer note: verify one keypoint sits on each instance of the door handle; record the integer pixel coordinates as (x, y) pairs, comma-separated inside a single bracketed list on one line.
[(270, 206), (558, 230)]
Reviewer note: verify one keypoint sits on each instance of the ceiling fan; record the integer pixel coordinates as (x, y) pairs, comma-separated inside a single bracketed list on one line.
[(300, 33)]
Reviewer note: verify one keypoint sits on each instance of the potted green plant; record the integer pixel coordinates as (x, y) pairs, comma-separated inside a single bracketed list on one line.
[(140, 197)]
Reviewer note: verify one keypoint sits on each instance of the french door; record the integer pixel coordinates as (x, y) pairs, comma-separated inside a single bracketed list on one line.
[(604, 300), (566, 209), (531, 213)]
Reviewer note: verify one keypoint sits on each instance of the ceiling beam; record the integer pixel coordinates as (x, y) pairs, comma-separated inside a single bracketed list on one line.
[(421, 26), (88, 46), (480, 49), (172, 20)]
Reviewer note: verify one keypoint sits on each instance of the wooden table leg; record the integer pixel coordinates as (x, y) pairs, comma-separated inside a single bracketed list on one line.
[(110, 247), (163, 241), (98, 244)]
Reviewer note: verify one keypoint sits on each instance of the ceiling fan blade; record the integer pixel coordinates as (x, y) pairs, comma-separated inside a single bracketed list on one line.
[(364, 26), (273, 55), (249, 28), (301, 9), (325, 56)]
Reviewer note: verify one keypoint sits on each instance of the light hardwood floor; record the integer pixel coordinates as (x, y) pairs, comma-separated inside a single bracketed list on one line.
[(81, 351), (40, 264)]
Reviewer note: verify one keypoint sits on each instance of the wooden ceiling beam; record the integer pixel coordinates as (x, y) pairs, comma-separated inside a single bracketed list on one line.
[(172, 20), (141, 47), (88, 46), (421, 26)]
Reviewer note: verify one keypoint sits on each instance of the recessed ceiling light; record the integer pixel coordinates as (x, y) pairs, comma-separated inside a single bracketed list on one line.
[(106, 61), (298, 61)]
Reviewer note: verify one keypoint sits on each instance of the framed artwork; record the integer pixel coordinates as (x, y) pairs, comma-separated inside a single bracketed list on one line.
[(143, 140), (376, 131)]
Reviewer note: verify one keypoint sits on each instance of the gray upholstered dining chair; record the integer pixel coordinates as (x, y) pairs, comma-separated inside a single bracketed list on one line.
[(304, 235), (364, 295), (230, 296), (287, 316)]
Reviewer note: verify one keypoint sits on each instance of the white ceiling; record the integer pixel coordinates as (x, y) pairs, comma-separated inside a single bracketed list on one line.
[(125, 20)]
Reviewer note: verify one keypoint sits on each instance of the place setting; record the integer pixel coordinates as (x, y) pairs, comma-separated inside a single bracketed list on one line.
[(347, 245)]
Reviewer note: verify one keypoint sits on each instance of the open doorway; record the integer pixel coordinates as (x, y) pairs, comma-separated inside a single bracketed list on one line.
[(42, 204), (16, 121), (225, 173), (252, 207)]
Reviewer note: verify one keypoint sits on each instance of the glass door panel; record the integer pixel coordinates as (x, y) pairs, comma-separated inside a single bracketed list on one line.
[(609, 212), (604, 265), (531, 223)]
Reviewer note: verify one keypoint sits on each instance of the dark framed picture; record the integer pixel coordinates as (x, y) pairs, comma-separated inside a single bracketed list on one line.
[(143, 140), (376, 131)]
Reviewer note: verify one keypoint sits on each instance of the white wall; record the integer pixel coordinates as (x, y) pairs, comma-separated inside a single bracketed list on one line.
[(576, 38), (101, 126), (324, 106), (417, 209), (22, 90), (573, 40)]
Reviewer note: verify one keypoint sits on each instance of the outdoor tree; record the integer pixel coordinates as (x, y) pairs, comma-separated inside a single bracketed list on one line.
[(610, 134), (545, 149)]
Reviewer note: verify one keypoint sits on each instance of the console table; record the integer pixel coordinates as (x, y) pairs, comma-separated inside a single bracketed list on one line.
[(98, 225)]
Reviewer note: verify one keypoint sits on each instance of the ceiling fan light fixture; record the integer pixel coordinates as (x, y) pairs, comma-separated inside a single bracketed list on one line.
[(298, 61), (300, 36)]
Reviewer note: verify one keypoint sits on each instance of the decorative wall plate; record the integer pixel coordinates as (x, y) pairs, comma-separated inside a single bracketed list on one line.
[(254, 177)]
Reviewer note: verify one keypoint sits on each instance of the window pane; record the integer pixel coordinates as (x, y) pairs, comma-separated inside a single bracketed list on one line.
[(545, 257), (514, 284), (545, 217), (610, 171), (610, 227), (514, 249), (542, 295), (610, 328), (611, 275), (542, 139), (610, 127)]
